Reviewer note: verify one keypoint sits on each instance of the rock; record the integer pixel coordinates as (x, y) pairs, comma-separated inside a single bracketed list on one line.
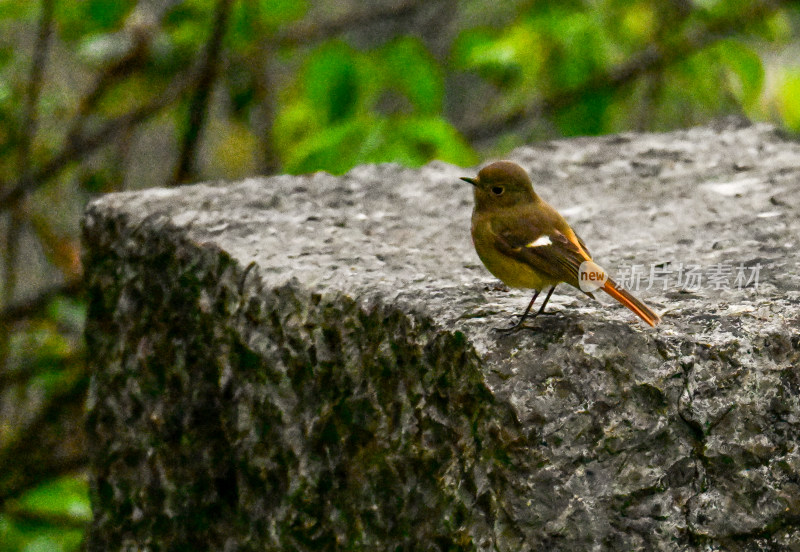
[(304, 363)]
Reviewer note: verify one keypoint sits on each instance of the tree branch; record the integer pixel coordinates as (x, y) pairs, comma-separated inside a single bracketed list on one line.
[(15, 312), (198, 106), (82, 147), (29, 123), (41, 460), (304, 33), (34, 87), (111, 75)]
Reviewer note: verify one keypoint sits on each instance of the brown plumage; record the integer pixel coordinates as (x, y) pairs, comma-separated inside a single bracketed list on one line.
[(526, 243)]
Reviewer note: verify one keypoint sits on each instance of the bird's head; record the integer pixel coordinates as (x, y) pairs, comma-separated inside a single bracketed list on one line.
[(501, 184)]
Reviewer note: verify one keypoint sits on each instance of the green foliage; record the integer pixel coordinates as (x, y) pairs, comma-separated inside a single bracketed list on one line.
[(576, 49), (349, 107), (588, 116), (17, 12), (511, 58), (251, 20), (79, 19), (185, 28), (576, 42), (745, 72), (415, 74), (332, 83), (67, 496), (789, 99), (50, 517)]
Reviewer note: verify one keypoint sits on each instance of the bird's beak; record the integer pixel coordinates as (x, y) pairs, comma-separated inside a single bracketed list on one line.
[(472, 181)]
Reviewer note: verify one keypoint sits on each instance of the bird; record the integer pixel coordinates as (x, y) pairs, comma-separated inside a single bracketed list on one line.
[(527, 244)]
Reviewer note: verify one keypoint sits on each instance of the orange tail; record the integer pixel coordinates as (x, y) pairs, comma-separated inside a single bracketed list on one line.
[(642, 311)]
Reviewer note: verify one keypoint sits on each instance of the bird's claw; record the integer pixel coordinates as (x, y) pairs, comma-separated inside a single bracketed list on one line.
[(515, 327), (519, 326)]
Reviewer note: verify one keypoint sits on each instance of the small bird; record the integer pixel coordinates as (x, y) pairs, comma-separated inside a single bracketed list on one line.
[(526, 243)]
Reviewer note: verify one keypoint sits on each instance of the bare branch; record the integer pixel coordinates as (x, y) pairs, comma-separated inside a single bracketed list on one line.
[(34, 87), (305, 33), (198, 106), (138, 31), (104, 81), (82, 147), (42, 459), (10, 265), (29, 123), (28, 308)]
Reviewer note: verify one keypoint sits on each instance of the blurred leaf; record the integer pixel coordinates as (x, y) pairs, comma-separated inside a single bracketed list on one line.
[(707, 5), (103, 48), (586, 117), (10, 536), (68, 312), (278, 12), (411, 141), (579, 50), (97, 181), (63, 251), (746, 65), (43, 543), (242, 85), (789, 99), (435, 138), (186, 37), (6, 55), (7, 120), (723, 8), (692, 91), (778, 27), (19, 536), (20, 12), (334, 149), (49, 517), (65, 497), (495, 57), (42, 347), (639, 22), (78, 19), (251, 20), (233, 150), (293, 123), (331, 81), (126, 95), (185, 27), (413, 70)]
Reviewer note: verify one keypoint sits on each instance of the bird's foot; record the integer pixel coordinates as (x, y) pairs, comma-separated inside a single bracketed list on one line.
[(506, 331), (515, 327), (519, 325)]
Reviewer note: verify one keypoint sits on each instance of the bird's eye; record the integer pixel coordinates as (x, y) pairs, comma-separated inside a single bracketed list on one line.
[(497, 190)]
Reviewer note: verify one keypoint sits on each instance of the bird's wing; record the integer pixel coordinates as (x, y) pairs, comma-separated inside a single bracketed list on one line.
[(583, 245), (552, 253)]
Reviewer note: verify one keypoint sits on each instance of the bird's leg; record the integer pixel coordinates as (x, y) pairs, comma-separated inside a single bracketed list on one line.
[(516, 326), (546, 299)]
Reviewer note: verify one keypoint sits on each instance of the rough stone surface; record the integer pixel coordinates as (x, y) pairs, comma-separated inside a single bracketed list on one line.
[(305, 363)]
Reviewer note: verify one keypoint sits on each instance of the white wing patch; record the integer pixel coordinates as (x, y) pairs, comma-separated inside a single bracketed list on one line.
[(540, 241)]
